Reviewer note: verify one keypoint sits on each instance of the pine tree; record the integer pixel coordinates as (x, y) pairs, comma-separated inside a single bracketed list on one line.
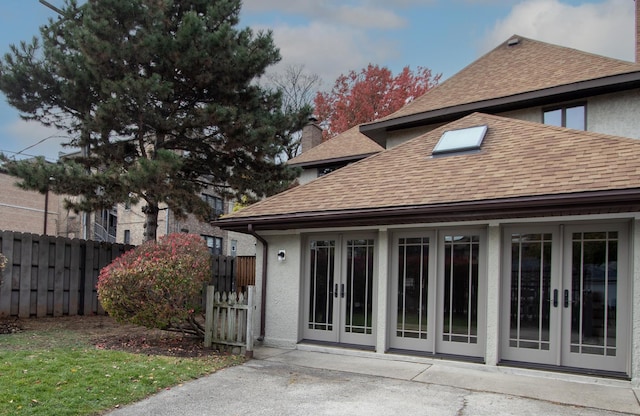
[(163, 98)]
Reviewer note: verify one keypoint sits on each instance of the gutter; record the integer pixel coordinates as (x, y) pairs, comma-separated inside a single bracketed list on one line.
[(263, 298), (588, 202)]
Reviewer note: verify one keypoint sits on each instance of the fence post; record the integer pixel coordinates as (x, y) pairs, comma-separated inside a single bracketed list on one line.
[(251, 306), (208, 317)]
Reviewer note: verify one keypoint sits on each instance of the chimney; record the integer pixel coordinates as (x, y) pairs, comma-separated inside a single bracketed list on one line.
[(311, 135), (637, 31)]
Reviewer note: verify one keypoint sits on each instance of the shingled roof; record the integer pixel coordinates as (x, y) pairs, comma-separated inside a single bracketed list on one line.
[(349, 145), (519, 70), (521, 166)]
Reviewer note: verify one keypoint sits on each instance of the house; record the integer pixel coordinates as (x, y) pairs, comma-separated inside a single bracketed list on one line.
[(32, 212), (124, 223), (320, 158), (501, 225), (130, 226)]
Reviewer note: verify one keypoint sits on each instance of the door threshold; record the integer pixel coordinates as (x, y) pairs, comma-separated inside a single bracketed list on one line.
[(440, 356), (338, 345), (567, 370)]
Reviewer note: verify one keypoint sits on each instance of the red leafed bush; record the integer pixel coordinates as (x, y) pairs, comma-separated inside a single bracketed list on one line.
[(158, 284)]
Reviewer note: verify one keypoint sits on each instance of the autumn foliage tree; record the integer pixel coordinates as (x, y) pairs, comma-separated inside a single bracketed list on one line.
[(371, 93)]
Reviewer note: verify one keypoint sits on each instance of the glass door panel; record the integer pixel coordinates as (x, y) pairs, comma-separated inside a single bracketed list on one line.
[(410, 297), (532, 289), (320, 294), (595, 282), (459, 308), (358, 297)]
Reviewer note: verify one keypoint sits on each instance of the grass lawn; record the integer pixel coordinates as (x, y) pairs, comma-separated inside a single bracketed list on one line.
[(62, 370)]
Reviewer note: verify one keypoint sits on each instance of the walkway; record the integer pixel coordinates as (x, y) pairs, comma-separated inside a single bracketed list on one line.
[(311, 381)]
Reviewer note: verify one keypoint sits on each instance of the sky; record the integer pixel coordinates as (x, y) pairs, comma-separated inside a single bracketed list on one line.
[(332, 37)]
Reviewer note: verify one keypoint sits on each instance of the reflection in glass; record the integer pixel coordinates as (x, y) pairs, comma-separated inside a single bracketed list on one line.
[(359, 290), (460, 305), (530, 291), (413, 269), (322, 280), (594, 281)]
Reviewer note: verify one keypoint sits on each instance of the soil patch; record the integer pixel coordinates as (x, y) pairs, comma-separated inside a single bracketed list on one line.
[(105, 333)]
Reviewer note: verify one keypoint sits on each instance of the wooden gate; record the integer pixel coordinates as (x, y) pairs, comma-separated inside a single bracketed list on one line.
[(229, 319)]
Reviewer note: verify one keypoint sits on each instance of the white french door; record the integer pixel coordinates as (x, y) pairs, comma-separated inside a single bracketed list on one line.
[(566, 291), (339, 289), (413, 295), (438, 285)]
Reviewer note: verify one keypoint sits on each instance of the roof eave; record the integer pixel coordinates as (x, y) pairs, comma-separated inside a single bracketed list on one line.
[(583, 203), (377, 130)]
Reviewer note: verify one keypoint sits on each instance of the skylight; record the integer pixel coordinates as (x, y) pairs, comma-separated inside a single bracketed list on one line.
[(454, 141)]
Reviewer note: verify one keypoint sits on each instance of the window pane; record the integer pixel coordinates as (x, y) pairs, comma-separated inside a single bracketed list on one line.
[(460, 306), (553, 118), (575, 118)]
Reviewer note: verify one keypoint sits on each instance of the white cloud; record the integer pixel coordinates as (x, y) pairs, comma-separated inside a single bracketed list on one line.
[(605, 28), (328, 50), (359, 13)]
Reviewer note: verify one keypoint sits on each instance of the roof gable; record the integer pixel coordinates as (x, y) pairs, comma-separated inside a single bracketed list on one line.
[(517, 159), (511, 69), (346, 145)]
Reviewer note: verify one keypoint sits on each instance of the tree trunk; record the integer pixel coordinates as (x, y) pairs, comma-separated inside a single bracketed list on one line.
[(150, 221)]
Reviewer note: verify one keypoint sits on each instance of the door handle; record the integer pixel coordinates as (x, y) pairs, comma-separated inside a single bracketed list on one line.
[(335, 291), (342, 290), (566, 298), (555, 298)]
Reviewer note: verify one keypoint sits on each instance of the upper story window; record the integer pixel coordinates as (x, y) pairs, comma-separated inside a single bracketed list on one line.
[(572, 117), (216, 204)]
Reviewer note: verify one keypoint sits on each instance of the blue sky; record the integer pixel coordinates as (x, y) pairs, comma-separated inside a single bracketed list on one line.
[(331, 37)]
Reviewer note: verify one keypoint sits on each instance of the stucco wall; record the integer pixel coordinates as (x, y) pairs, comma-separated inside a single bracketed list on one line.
[(245, 244), (283, 290), (615, 114), (400, 136)]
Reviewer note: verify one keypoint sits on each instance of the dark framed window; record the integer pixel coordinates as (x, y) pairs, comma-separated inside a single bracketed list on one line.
[(127, 236), (325, 170), (214, 244), (216, 204), (570, 116)]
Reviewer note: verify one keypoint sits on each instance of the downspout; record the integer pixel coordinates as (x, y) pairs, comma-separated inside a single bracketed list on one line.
[(263, 298)]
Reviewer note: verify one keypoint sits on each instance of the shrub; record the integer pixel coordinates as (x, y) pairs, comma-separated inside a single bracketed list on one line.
[(157, 285), (3, 261)]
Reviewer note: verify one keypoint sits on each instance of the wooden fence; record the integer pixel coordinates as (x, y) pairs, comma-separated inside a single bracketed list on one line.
[(229, 319), (233, 274), (52, 276), (55, 276)]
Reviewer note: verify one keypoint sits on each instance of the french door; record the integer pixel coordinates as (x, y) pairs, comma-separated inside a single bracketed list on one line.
[(566, 292), (339, 289), (438, 286)]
